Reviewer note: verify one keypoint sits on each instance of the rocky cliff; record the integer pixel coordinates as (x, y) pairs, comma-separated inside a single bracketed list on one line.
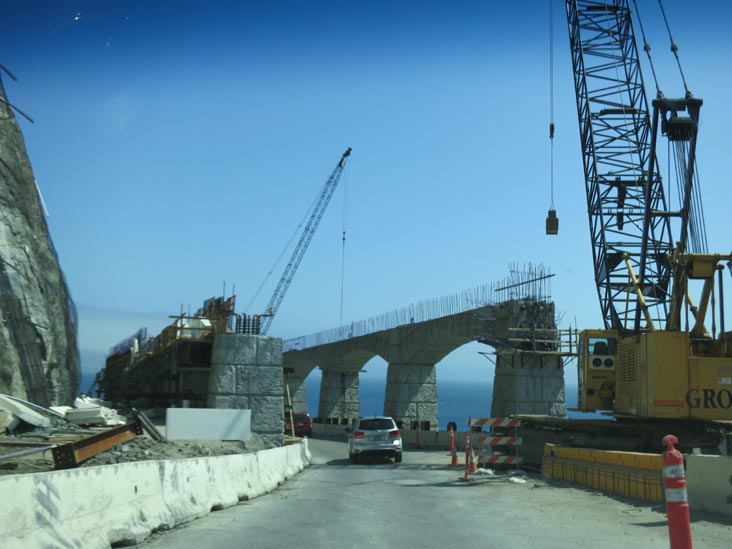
[(38, 351)]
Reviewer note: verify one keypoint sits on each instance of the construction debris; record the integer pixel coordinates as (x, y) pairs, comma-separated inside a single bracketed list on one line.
[(93, 411), (484, 471), (87, 434), (17, 410), (16, 413), (8, 421), (143, 448), (73, 454), (148, 425), (56, 433)]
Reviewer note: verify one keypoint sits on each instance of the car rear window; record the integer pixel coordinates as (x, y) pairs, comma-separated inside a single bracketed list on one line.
[(380, 424), (300, 417)]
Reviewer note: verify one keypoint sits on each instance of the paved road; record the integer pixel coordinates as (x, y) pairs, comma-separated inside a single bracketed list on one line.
[(422, 503)]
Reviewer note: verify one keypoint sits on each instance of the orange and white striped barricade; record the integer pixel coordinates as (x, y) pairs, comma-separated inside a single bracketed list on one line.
[(490, 423), (677, 503), (485, 441)]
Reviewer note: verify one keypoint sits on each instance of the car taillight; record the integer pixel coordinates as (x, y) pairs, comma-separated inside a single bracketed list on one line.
[(358, 434), (394, 433)]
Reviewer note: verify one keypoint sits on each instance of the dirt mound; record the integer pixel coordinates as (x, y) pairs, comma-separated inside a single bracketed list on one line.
[(144, 448)]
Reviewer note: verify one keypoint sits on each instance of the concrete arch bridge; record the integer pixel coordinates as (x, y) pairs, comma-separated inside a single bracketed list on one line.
[(528, 379)]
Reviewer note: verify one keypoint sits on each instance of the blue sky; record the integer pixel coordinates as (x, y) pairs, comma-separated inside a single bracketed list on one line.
[(178, 144)]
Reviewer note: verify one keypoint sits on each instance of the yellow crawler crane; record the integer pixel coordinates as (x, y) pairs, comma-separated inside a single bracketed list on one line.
[(655, 359), (665, 374)]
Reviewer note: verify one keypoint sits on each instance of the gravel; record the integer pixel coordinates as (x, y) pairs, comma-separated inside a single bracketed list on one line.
[(144, 448)]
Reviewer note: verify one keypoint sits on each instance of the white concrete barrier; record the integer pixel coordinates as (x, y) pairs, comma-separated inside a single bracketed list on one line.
[(97, 506), (434, 440), (709, 483)]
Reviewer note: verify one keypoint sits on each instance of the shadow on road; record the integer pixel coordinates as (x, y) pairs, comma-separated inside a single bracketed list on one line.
[(363, 460), (652, 524)]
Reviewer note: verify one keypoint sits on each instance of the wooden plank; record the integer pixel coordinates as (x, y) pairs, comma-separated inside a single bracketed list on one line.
[(71, 455), (88, 452)]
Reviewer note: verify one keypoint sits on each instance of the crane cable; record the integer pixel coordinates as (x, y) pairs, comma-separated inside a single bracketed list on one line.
[(343, 249), (697, 225), (697, 235), (551, 103), (282, 253), (674, 48), (647, 49)]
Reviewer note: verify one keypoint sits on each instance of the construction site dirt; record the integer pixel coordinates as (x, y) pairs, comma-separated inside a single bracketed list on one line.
[(141, 448)]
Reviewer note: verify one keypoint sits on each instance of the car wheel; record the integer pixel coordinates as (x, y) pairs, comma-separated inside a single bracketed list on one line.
[(398, 457), (353, 458)]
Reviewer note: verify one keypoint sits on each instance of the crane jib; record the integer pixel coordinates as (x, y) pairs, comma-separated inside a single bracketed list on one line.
[(302, 244)]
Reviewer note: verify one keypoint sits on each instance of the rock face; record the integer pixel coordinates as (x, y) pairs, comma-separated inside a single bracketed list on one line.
[(39, 359)]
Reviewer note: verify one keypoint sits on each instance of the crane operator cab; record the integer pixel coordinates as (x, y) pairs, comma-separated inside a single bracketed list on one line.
[(597, 357)]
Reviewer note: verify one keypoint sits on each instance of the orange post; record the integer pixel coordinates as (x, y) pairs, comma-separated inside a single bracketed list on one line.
[(453, 452), (677, 504), (467, 456)]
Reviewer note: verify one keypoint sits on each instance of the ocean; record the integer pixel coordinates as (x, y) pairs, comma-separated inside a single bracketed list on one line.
[(456, 400)]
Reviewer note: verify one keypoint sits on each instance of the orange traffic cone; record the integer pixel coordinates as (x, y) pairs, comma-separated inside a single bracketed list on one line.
[(473, 465)]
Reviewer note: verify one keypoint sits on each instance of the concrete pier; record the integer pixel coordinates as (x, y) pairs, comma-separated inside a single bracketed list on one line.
[(528, 378), (411, 393), (339, 395), (298, 392), (246, 372), (528, 384)]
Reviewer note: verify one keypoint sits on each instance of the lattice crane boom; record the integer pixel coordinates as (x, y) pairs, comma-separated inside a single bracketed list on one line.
[(627, 209), (302, 244)]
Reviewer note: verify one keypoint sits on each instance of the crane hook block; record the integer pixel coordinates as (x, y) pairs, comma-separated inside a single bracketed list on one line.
[(552, 222)]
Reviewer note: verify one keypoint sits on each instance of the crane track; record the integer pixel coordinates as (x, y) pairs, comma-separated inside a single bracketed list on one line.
[(621, 434)]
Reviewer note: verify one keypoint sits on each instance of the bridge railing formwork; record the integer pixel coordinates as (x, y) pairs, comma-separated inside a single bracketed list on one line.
[(530, 282)]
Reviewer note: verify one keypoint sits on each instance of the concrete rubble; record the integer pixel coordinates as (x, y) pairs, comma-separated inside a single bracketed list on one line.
[(27, 426), (144, 448), (17, 412), (91, 411), (19, 415)]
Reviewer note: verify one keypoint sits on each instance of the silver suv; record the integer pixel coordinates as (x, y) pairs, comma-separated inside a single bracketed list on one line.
[(374, 436)]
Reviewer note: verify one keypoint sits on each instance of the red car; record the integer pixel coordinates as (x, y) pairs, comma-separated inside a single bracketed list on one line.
[(303, 424)]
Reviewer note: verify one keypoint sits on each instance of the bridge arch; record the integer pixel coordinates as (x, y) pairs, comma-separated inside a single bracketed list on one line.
[(413, 350)]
